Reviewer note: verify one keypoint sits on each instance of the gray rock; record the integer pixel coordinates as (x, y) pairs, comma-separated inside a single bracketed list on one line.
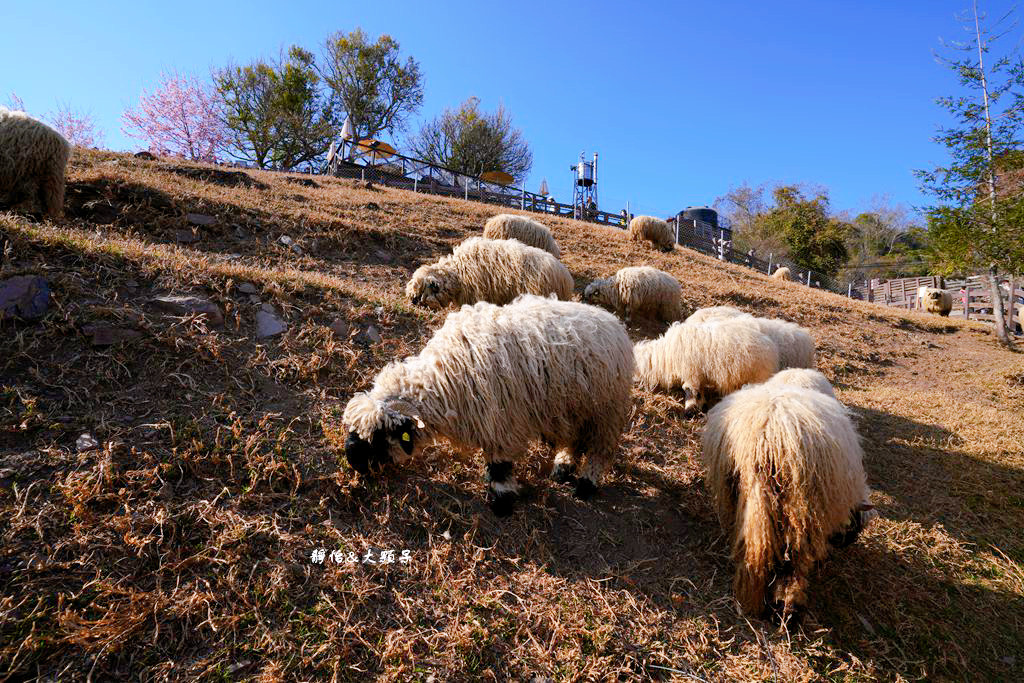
[(247, 288), (86, 442), (268, 324), (184, 305), (25, 296), (290, 243), (108, 335), (340, 328), (185, 236), (201, 219), (372, 335)]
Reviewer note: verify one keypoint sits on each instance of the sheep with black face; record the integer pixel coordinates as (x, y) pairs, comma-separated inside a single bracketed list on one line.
[(496, 378)]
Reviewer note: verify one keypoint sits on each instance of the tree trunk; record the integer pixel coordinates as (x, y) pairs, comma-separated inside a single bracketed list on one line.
[(997, 307)]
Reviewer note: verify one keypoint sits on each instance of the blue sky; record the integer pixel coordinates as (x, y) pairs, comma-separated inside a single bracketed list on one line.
[(682, 100)]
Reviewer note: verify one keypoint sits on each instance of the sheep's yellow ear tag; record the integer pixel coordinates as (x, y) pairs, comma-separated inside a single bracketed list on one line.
[(406, 437)]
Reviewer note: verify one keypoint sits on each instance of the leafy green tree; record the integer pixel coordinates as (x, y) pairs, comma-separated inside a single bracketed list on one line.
[(370, 82), (814, 239), (472, 141), (977, 222), (275, 112)]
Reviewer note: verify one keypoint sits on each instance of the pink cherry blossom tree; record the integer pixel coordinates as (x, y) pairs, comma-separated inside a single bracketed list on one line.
[(181, 117), (79, 128)]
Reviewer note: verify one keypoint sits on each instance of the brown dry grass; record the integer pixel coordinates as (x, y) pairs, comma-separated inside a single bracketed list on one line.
[(179, 550)]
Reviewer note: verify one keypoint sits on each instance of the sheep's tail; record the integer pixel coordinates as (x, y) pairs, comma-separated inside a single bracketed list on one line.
[(757, 548)]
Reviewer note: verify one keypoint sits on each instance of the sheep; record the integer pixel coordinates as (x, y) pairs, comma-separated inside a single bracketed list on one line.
[(782, 273), (795, 343), (803, 377), (497, 271), (638, 291), (33, 157), (718, 356), (510, 226), (653, 230), (702, 315), (497, 377), (785, 469), (935, 300)]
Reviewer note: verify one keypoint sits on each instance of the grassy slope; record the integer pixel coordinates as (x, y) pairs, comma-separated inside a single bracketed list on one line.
[(180, 549)]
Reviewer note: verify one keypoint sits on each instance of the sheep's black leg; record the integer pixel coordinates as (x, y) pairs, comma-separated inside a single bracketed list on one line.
[(564, 470), (503, 488)]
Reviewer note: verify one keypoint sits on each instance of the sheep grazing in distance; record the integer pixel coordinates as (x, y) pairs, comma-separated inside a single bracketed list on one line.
[(719, 357), (496, 378), (702, 315), (935, 300), (785, 468), (795, 343), (638, 291), (497, 271), (507, 226), (782, 273), (653, 230), (33, 157), (804, 378)]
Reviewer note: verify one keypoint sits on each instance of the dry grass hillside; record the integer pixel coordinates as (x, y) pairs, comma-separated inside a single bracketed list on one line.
[(178, 548)]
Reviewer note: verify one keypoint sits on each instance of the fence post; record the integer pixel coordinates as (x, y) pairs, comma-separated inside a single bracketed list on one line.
[(362, 173), (808, 277), (522, 200), (849, 290), (769, 263), (465, 188)]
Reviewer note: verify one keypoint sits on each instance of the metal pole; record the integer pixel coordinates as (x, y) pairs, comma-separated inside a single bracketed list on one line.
[(415, 184), (522, 200), (362, 174), (849, 290), (465, 188), (769, 263), (808, 277)]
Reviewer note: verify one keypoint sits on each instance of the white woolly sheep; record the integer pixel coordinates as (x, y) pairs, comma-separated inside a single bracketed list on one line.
[(795, 343), (507, 226), (935, 300), (702, 315), (33, 157), (489, 270), (804, 378), (639, 291), (782, 273), (719, 356), (496, 378), (785, 469), (653, 230)]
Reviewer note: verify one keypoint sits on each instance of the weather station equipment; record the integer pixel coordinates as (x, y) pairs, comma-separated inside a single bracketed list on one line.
[(584, 188)]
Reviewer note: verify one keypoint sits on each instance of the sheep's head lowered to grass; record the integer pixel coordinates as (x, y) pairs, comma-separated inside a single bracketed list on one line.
[(379, 434), (598, 293), (433, 287)]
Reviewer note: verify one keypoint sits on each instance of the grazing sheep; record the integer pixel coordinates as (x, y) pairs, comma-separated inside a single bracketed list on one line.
[(638, 291), (496, 378), (718, 356), (784, 466), (489, 270), (795, 343), (507, 226), (935, 300), (804, 378), (782, 273), (653, 230), (32, 161), (702, 315)]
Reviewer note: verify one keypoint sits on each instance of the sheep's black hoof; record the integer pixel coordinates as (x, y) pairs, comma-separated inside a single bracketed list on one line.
[(585, 489), (563, 473), (503, 504)]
